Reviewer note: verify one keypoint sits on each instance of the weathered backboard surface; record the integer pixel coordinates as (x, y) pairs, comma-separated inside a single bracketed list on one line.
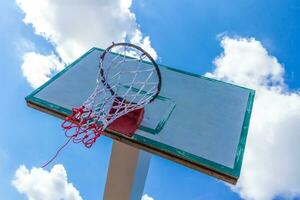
[(196, 121)]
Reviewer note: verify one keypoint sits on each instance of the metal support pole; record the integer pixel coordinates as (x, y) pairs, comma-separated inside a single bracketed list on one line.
[(128, 168)]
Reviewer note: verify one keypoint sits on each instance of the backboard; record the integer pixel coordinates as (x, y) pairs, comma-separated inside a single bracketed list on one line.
[(196, 121)]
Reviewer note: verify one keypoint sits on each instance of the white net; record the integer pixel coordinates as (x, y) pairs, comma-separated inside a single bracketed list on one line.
[(124, 84)]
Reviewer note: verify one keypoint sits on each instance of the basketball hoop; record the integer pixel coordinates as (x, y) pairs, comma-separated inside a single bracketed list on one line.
[(125, 84)]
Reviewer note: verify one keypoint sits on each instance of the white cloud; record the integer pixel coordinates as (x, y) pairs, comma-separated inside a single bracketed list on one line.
[(38, 68), (272, 158), (143, 42), (147, 197), (247, 62), (39, 184), (75, 26)]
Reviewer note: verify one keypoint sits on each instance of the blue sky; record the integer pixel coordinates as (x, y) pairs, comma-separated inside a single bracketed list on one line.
[(186, 35), (187, 30)]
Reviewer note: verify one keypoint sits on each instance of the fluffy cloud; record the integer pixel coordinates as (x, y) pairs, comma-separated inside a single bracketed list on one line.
[(38, 68), (74, 26), (143, 42), (245, 61), (272, 158), (39, 184), (146, 197)]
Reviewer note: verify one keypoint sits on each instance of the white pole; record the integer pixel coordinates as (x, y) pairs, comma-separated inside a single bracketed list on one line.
[(128, 168)]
